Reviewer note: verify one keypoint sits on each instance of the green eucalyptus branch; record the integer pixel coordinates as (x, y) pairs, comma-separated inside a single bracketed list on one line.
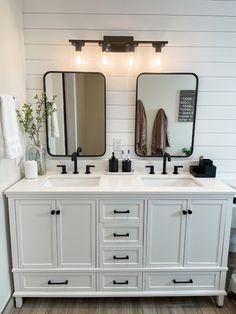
[(32, 123)]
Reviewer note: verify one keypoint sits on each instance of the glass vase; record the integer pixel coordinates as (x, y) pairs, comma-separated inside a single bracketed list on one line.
[(37, 153)]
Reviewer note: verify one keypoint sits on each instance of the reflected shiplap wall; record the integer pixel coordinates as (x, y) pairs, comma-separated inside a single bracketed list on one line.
[(202, 39)]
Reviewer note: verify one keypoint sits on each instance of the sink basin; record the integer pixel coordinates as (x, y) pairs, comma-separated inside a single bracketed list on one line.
[(169, 182), (71, 182)]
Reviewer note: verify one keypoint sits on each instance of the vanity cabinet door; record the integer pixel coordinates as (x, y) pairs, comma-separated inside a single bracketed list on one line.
[(36, 233), (165, 233), (76, 233), (204, 233)]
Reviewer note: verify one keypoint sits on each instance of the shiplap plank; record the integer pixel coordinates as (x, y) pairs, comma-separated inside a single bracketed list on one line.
[(217, 113), (223, 140), (225, 165), (121, 98), (217, 98), (126, 139), (196, 39), (216, 126), (130, 22), (132, 7), (124, 126), (201, 69), (34, 81), (212, 91), (180, 54), (217, 84), (120, 112), (215, 152)]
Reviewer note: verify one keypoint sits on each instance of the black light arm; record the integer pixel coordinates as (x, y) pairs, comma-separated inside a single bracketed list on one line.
[(118, 43)]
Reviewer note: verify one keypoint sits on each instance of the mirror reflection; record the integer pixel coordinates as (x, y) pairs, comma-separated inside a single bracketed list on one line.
[(165, 114), (79, 119)]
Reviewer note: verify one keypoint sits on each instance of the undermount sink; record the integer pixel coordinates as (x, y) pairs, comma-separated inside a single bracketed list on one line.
[(169, 182), (71, 182)]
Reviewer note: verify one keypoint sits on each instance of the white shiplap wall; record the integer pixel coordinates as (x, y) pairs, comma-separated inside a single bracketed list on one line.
[(202, 39)]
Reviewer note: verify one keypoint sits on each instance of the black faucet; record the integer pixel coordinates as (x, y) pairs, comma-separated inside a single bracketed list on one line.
[(74, 156), (165, 155)]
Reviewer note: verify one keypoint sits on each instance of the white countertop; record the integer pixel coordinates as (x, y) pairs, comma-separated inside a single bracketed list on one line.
[(120, 183)]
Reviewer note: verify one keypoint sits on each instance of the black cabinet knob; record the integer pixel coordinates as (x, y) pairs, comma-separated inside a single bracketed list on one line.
[(184, 212), (52, 212), (58, 212), (190, 212)]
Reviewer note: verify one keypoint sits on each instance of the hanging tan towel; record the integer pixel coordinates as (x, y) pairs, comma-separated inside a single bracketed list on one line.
[(160, 134), (141, 129)]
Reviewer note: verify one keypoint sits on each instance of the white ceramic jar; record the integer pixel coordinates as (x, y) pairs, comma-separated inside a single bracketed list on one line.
[(31, 169)]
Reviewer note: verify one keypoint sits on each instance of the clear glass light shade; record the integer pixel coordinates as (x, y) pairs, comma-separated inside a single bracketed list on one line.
[(78, 58), (104, 59), (131, 59), (157, 59)]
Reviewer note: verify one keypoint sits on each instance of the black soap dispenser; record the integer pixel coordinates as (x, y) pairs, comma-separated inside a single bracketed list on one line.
[(113, 163)]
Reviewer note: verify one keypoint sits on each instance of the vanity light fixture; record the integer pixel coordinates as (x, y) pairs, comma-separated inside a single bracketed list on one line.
[(119, 44), (78, 50), (158, 46)]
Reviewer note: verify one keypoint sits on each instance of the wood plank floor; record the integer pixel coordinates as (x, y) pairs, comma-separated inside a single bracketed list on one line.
[(185, 305)]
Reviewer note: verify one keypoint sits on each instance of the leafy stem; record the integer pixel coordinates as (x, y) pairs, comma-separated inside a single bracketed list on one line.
[(33, 116)]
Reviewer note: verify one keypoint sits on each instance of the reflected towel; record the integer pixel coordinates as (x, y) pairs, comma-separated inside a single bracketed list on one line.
[(160, 134), (54, 123), (141, 129), (10, 147)]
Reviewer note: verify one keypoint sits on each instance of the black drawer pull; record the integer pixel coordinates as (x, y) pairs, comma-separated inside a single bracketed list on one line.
[(126, 282), (121, 234), (58, 283), (121, 211), (121, 257), (187, 281)]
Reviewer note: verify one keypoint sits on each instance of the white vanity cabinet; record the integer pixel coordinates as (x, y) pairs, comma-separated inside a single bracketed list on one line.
[(55, 233), (36, 233), (185, 233), (119, 244)]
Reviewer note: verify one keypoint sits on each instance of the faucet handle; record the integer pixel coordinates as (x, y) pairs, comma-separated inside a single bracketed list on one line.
[(176, 169), (88, 169), (151, 169), (79, 150), (63, 168)]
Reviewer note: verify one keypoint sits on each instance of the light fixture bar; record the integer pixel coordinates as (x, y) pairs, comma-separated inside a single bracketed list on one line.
[(118, 43)]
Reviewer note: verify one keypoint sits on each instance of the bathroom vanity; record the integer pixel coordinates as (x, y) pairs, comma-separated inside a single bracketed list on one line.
[(119, 235)]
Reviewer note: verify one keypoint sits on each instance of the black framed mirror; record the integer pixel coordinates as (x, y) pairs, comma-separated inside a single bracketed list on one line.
[(165, 114), (80, 116)]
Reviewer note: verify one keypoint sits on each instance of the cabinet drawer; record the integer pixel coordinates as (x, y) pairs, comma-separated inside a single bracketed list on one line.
[(181, 281), (125, 281), (121, 234), (58, 281), (116, 210), (120, 257)]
